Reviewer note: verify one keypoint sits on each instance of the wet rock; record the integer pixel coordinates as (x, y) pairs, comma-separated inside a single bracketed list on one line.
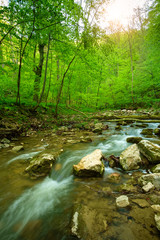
[(133, 139), (144, 125), (157, 131), (98, 128), (155, 198), (127, 188), (88, 223), (147, 131), (114, 177), (156, 208), (149, 186), (153, 178), (122, 201), (86, 139), (113, 161), (150, 150), (157, 220), (73, 141), (141, 202), (41, 165), (107, 190), (118, 127), (63, 129), (5, 141), (130, 158), (156, 169), (5, 145), (90, 166), (74, 229), (144, 223), (17, 148)]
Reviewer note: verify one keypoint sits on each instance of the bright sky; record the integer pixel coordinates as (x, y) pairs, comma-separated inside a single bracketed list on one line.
[(3, 2), (120, 11)]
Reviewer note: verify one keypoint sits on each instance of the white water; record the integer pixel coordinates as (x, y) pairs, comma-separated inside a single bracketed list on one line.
[(25, 156), (51, 196)]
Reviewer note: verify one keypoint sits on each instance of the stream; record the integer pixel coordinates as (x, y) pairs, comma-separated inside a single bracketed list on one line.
[(35, 209)]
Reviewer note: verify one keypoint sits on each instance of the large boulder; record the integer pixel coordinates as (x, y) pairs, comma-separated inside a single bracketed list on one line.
[(90, 166), (130, 158), (41, 165), (150, 150)]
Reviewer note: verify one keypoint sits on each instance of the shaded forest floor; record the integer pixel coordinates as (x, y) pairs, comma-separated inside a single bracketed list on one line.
[(15, 121)]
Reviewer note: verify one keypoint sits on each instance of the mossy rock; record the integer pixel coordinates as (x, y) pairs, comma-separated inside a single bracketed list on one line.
[(147, 131), (133, 139)]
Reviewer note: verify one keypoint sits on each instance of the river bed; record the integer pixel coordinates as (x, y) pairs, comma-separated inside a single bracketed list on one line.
[(35, 209)]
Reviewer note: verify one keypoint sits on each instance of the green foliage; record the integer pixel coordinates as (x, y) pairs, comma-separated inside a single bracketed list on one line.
[(119, 70)]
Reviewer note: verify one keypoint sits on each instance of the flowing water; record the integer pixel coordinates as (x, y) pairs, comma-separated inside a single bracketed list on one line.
[(35, 209)]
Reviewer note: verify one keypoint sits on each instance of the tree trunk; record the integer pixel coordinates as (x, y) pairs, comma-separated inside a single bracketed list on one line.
[(19, 74), (49, 80), (131, 58), (99, 84), (45, 76), (21, 59), (38, 72), (61, 87)]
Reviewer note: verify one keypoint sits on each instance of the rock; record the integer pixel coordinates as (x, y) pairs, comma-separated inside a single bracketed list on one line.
[(127, 188), (5, 141), (88, 223), (150, 150), (118, 127), (149, 186), (144, 125), (90, 166), (74, 229), (122, 201), (130, 158), (113, 161), (156, 169), (86, 139), (41, 165), (156, 208), (141, 202), (157, 220), (133, 139), (17, 148), (98, 128), (63, 129), (157, 131), (154, 198), (72, 141), (153, 178), (147, 131), (114, 177), (5, 145)]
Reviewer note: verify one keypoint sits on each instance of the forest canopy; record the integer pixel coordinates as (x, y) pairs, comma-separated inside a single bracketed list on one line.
[(56, 53)]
